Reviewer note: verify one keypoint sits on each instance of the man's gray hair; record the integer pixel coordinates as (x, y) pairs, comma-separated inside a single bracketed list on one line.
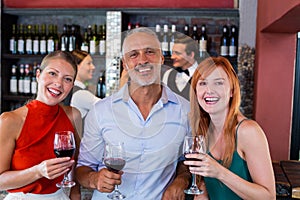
[(146, 30)]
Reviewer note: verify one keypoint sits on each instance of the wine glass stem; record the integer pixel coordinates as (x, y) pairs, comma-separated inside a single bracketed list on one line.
[(194, 184), (65, 178)]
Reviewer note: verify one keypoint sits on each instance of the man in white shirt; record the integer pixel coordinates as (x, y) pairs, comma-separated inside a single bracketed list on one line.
[(185, 56)]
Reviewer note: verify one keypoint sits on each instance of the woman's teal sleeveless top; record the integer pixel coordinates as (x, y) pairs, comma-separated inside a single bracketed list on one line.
[(216, 189)]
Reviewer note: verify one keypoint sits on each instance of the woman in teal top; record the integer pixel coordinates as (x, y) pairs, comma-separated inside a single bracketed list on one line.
[(238, 164)]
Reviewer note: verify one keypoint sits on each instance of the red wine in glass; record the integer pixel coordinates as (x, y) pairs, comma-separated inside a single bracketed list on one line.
[(192, 145), (64, 146), (191, 159), (60, 153), (114, 160), (114, 164)]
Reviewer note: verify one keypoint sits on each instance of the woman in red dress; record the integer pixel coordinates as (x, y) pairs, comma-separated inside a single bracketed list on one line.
[(29, 168)]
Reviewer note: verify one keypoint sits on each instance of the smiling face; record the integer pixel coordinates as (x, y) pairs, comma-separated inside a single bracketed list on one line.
[(86, 69), (142, 58), (180, 57), (55, 81), (214, 92)]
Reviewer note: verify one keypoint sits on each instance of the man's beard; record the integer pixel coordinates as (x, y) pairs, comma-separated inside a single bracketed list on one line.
[(152, 74)]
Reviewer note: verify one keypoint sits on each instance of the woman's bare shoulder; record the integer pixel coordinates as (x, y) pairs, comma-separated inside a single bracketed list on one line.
[(13, 120), (72, 112)]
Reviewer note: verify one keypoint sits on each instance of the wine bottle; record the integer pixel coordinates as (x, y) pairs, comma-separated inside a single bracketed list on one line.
[(13, 40), (101, 88), (186, 30), (13, 87), (55, 38), (233, 41), (50, 39), (85, 43), (43, 40), (203, 41), (129, 26), (165, 41), (36, 40), (137, 25), (102, 39), (33, 84), (78, 37), (89, 36), (21, 40), (224, 45), (28, 42), (21, 80), (172, 37), (72, 38), (94, 40), (27, 80), (158, 33), (195, 35), (64, 39)]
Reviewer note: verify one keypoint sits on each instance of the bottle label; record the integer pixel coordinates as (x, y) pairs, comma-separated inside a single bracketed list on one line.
[(164, 46), (92, 47), (26, 86), (29, 46), (21, 46), (13, 85), (203, 45), (12, 45), (21, 86), (50, 46), (33, 87), (36, 46), (171, 46), (232, 51), (102, 47), (224, 51), (43, 46), (63, 47), (71, 47), (84, 48)]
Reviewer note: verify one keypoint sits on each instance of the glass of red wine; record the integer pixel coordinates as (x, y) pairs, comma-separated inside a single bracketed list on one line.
[(114, 160), (64, 146), (192, 145)]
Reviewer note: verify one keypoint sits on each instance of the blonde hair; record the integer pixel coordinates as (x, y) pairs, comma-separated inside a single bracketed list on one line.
[(200, 119)]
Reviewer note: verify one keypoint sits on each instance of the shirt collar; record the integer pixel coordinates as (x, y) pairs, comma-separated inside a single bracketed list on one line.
[(167, 95), (193, 68), (79, 84)]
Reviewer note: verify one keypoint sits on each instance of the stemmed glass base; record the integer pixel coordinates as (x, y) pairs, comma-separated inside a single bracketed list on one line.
[(193, 190), (65, 183), (116, 195)]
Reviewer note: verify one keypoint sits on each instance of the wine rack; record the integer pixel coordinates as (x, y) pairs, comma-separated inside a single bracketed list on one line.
[(214, 18)]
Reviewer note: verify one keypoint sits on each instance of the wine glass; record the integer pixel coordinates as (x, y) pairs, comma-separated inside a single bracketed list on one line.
[(64, 146), (192, 145), (114, 160)]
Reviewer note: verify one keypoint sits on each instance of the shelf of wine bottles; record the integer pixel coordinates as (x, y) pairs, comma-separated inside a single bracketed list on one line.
[(30, 34), (224, 44), (42, 39)]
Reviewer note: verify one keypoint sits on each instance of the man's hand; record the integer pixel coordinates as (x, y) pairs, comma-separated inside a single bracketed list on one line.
[(106, 180), (175, 191)]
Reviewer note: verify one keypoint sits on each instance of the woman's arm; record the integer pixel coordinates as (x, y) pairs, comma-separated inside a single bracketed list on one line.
[(253, 147), (10, 127)]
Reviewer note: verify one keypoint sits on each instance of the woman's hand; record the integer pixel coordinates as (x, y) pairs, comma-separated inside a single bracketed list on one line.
[(55, 167), (203, 165)]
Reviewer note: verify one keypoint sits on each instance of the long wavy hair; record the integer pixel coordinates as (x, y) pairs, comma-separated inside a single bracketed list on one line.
[(200, 119)]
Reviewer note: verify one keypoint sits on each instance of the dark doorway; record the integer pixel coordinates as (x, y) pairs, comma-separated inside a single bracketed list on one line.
[(295, 138)]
